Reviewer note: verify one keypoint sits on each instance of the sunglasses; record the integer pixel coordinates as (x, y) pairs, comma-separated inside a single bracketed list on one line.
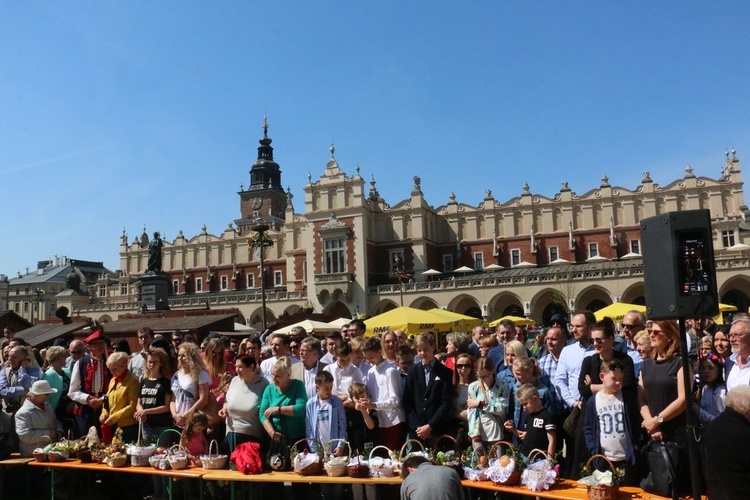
[(654, 332), (76, 353), (294, 346), (461, 366), (599, 340)]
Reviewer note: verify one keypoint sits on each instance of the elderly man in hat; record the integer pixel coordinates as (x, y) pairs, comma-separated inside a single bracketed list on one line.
[(36, 419), (16, 378), (89, 382)]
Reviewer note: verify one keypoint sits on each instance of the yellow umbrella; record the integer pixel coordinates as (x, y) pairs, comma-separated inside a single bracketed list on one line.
[(617, 310), (518, 320), (408, 319), (461, 322), (727, 308)]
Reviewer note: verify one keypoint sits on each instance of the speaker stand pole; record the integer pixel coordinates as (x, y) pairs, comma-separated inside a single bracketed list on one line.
[(693, 452)]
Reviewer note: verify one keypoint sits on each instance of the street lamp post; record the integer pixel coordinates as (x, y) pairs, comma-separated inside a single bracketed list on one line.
[(398, 271), (261, 240), (37, 298)]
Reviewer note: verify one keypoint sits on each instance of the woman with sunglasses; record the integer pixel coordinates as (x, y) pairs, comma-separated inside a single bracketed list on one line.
[(463, 375), (661, 393), (589, 383), (487, 406)]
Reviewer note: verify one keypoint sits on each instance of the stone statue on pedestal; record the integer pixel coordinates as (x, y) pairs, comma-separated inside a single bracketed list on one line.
[(154, 255)]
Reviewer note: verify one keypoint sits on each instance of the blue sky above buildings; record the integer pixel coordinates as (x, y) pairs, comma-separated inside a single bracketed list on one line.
[(118, 114)]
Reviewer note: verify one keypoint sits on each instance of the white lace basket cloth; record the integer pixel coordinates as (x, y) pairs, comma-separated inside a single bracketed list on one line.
[(538, 475)]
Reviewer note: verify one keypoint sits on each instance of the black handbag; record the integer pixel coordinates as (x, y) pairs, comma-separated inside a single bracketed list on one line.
[(663, 460), (277, 458)]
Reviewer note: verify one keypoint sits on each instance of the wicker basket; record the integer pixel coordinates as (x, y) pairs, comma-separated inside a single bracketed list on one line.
[(510, 475), (454, 464), (336, 466), (214, 461), (84, 455), (177, 457), (382, 467), (57, 456), (117, 460), (539, 475), (472, 472), (41, 456), (360, 470), (315, 467), (602, 491), (139, 455), (159, 462)]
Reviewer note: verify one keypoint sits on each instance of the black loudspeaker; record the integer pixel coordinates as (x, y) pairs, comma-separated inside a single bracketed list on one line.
[(678, 265)]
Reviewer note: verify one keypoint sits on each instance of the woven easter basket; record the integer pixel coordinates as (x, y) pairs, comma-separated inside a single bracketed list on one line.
[(139, 455), (312, 469), (602, 491), (454, 464), (382, 467), (473, 472), (214, 460), (39, 454), (508, 475), (117, 460), (177, 457), (538, 475), (336, 466), (360, 470)]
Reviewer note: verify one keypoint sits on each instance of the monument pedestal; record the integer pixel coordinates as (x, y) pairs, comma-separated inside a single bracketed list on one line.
[(155, 291)]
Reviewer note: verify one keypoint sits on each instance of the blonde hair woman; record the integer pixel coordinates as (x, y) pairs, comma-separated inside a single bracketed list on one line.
[(122, 398), (189, 384)]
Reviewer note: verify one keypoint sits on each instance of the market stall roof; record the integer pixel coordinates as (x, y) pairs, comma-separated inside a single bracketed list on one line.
[(43, 334)]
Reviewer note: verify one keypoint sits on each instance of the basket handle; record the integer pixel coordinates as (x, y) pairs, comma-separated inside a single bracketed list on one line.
[(495, 448), (337, 440), (380, 446), (140, 432), (158, 440), (48, 439), (611, 465), (535, 452), (456, 448), (474, 455), (403, 448), (305, 440), (210, 446)]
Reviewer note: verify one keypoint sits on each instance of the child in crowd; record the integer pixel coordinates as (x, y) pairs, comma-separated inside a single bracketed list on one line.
[(609, 422), (358, 357), (325, 420), (384, 386), (527, 371), (713, 389), (193, 435), (541, 431), (359, 427), (404, 358), (344, 373)]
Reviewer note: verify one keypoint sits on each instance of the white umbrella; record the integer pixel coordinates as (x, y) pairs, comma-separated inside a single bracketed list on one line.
[(310, 326), (463, 269), (338, 323), (525, 264), (431, 272), (241, 327), (493, 267), (631, 255), (558, 262)]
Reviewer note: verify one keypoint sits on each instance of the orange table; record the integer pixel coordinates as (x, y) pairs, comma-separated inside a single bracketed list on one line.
[(563, 489), (291, 477), (192, 473), (15, 460)]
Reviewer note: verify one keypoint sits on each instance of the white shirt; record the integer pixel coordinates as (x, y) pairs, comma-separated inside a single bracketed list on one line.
[(327, 359), (738, 376), (384, 385), (137, 364), (343, 378), (364, 367), (568, 370), (267, 364), (310, 380), (76, 392)]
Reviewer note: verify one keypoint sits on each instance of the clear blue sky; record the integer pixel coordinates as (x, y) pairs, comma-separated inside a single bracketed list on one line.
[(118, 114)]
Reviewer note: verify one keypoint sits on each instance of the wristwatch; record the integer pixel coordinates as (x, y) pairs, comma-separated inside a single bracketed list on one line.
[(659, 419)]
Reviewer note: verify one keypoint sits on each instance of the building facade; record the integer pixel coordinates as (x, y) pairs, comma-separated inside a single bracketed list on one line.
[(349, 252)]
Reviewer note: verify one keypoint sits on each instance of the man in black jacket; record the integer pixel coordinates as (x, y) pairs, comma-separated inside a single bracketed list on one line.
[(726, 441), (428, 397)]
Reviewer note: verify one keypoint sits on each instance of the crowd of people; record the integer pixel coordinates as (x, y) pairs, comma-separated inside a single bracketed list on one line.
[(577, 389)]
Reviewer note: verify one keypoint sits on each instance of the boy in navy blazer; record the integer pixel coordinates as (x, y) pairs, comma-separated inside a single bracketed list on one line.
[(428, 396)]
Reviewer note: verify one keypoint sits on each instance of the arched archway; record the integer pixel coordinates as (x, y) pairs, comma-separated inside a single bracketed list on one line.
[(338, 309), (593, 296), (634, 294), (292, 310), (256, 318), (548, 302), (104, 318), (513, 310), (424, 303), (464, 303), (736, 291), (502, 302), (239, 318), (383, 306)]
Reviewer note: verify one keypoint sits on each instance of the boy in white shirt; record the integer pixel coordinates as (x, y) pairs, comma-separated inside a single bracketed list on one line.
[(384, 385)]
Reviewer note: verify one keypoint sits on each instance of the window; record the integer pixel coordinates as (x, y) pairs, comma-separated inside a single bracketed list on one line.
[(635, 246), (175, 286), (26, 291), (102, 291), (124, 289), (554, 254), (18, 291), (17, 306), (334, 256), (515, 256), (478, 261), (727, 238), (278, 278), (198, 284), (250, 280), (25, 307), (593, 250), (224, 282), (396, 266), (52, 289), (447, 263)]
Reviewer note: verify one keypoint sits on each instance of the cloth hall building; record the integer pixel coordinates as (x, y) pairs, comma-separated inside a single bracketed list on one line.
[(346, 251)]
